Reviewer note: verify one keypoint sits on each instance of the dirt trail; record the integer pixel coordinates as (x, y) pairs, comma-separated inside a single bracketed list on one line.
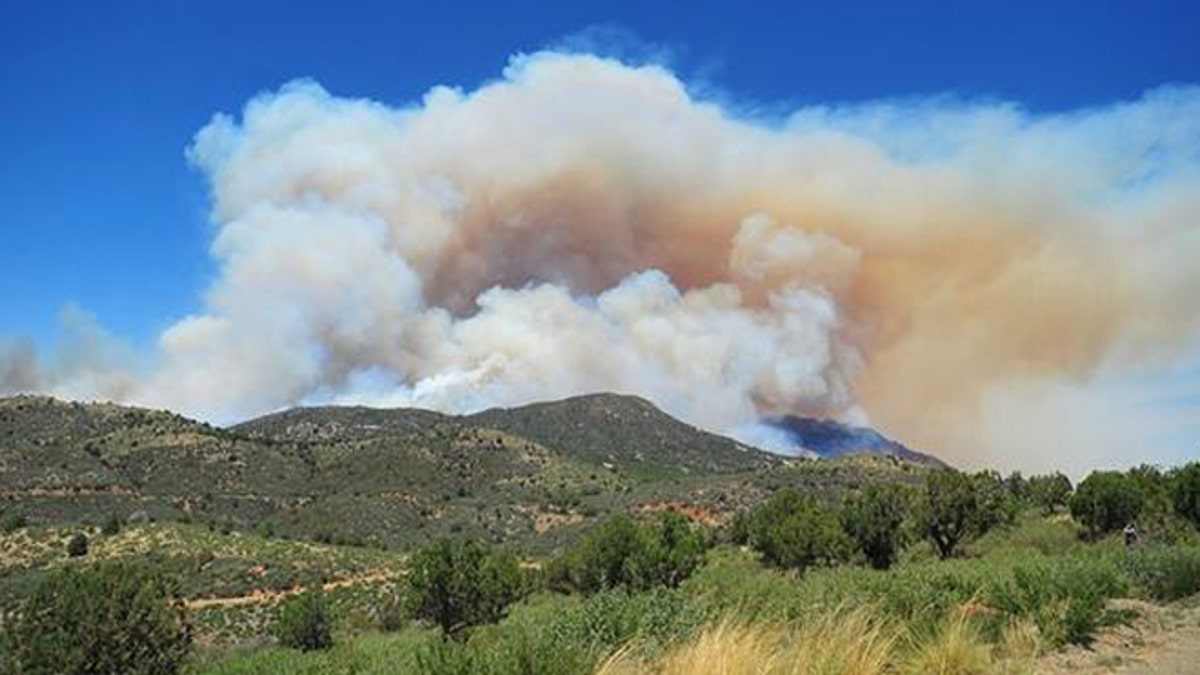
[(1162, 641), (262, 596)]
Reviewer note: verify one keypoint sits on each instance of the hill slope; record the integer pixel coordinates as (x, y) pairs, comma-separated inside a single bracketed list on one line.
[(532, 476)]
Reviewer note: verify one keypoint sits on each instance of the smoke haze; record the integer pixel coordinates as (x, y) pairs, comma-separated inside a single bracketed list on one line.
[(580, 224)]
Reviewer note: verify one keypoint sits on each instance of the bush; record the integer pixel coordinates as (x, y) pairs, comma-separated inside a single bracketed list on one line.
[(1185, 493), (1050, 491), (620, 552), (131, 616), (874, 519), (1064, 597), (949, 510), (12, 522), (795, 532), (111, 526), (1106, 501), (304, 622), (1164, 573), (458, 583), (77, 545)]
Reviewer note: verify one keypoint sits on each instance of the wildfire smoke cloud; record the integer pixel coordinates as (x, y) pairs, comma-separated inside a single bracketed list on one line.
[(581, 224)]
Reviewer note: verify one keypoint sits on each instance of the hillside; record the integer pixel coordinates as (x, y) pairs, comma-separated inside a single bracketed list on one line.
[(530, 476)]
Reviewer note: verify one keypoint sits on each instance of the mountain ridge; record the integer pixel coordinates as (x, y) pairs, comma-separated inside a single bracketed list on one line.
[(531, 475)]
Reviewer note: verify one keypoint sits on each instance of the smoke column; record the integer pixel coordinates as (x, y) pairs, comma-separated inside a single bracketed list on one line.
[(580, 224)]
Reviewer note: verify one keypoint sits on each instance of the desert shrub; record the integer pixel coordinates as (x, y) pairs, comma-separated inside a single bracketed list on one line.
[(458, 583), (304, 622), (111, 526), (793, 531), (12, 521), (949, 510), (874, 519), (1050, 491), (131, 616), (616, 617), (1064, 597), (77, 545), (1164, 572), (1185, 493), (621, 552), (392, 616), (1105, 501), (506, 652)]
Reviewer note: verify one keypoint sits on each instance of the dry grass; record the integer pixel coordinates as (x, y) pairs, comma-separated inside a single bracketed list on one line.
[(843, 642), (840, 643)]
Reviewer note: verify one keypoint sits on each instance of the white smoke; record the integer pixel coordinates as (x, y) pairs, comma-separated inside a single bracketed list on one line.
[(583, 225)]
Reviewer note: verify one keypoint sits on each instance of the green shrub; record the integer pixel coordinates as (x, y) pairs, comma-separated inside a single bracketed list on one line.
[(131, 616), (77, 545), (458, 583), (1164, 573), (616, 617), (620, 552), (874, 520), (392, 616), (1065, 596), (304, 622), (111, 526), (795, 532), (1106, 501), (1185, 493), (12, 522)]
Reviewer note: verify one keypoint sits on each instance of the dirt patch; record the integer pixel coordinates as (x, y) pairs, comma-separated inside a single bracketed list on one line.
[(263, 596), (1160, 641)]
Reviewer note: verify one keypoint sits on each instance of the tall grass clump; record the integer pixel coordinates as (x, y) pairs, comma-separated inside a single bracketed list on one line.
[(957, 648), (853, 642)]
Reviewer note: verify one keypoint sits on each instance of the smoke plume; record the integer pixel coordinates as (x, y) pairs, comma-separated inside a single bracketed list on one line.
[(580, 224)]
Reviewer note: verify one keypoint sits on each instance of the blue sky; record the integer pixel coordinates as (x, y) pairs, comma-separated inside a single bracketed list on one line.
[(101, 210)]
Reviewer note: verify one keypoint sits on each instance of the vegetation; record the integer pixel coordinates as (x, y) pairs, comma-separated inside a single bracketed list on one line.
[(111, 526), (459, 583), (874, 518), (77, 545), (1185, 492), (1106, 501), (639, 556), (951, 510), (12, 521), (865, 565), (793, 531), (1050, 492), (129, 614), (304, 622)]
